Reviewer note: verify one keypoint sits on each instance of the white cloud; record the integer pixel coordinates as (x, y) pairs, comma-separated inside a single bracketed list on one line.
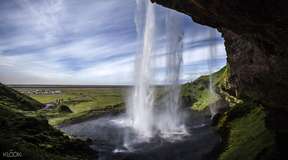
[(82, 42), (44, 16)]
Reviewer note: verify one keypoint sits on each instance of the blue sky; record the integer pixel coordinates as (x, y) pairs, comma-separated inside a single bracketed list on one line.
[(87, 42)]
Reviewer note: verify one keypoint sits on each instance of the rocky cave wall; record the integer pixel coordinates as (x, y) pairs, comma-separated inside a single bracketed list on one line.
[(256, 42)]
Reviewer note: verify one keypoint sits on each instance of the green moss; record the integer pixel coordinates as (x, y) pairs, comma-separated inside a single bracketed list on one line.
[(248, 136), (242, 127)]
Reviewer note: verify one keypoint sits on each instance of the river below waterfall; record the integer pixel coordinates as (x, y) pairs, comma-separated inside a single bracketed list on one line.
[(109, 140)]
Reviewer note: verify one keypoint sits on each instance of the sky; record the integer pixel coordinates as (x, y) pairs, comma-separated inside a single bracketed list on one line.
[(89, 42)]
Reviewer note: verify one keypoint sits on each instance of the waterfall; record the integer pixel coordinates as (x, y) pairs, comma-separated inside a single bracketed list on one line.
[(170, 121), (212, 56), (146, 119), (141, 108)]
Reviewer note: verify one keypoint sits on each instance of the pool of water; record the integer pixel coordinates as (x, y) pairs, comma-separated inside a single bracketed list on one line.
[(114, 141)]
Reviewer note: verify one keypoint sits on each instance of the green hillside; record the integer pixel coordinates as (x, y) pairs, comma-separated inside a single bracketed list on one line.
[(196, 94), (33, 137), (15, 100), (242, 126)]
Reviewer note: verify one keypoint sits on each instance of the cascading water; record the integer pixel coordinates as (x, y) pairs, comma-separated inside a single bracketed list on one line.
[(141, 111), (212, 57), (170, 121)]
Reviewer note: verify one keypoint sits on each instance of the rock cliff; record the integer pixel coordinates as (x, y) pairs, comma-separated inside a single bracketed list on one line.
[(256, 36)]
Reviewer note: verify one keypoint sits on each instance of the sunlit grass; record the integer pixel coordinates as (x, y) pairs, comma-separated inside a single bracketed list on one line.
[(205, 99), (197, 95), (51, 98), (82, 101)]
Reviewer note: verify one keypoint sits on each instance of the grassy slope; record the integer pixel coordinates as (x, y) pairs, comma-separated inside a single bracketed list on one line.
[(197, 95), (16, 100), (84, 103), (33, 136), (242, 126)]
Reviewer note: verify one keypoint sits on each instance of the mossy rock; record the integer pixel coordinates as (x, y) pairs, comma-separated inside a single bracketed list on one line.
[(248, 138)]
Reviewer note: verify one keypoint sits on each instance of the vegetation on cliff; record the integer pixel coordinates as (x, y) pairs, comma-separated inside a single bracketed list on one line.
[(246, 136), (242, 125), (33, 137), (196, 94), (15, 100)]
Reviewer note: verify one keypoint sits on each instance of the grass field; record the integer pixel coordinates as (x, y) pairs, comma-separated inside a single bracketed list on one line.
[(83, 102)]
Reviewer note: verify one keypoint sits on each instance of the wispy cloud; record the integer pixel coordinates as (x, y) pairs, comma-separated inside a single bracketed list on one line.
[(86, 42), (43, 16)]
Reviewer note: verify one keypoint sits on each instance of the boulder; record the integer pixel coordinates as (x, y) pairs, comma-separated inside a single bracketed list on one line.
[(64, 109)]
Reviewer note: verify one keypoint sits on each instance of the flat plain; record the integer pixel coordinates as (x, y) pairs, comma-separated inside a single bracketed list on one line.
[(84, 102)]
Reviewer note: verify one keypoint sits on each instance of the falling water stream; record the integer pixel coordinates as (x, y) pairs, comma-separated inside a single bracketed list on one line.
[(140, 110), (212, 57), (167, 122), (171, 119)]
